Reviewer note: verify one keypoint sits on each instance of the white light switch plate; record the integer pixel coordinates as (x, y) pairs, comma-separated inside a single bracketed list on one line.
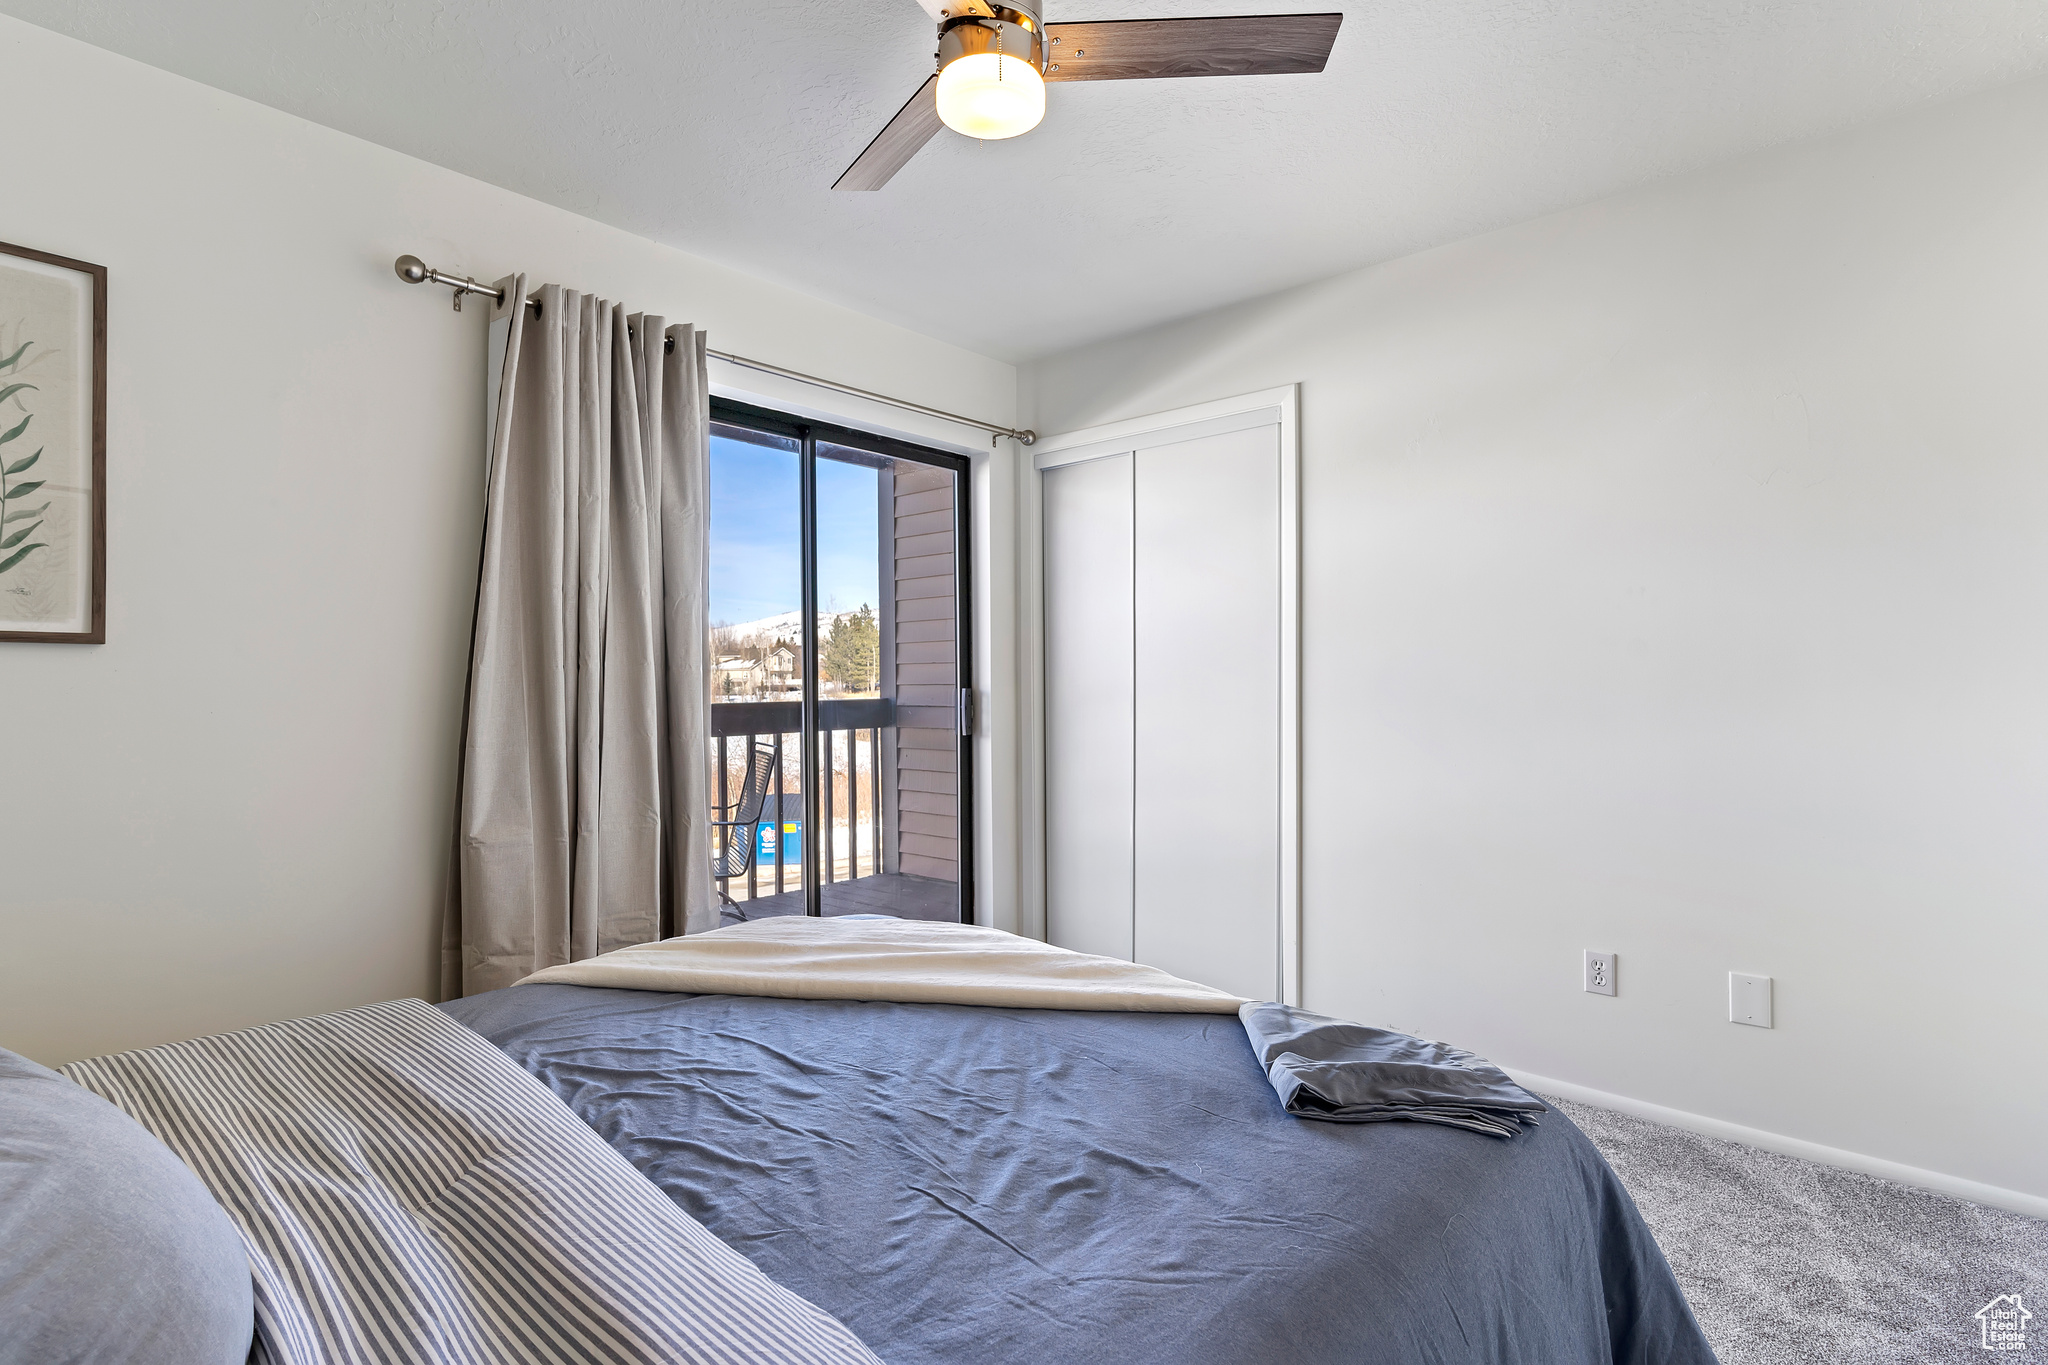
[(1749, 999), (1599, 972)]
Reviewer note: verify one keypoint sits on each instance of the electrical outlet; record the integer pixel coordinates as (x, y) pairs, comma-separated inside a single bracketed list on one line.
[(1599, 972), (1749, 999)]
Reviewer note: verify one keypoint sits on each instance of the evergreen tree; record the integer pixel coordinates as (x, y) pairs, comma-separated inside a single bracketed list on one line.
[(852, 654)]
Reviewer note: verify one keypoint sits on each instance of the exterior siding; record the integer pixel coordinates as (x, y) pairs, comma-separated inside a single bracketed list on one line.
[(921, 662)]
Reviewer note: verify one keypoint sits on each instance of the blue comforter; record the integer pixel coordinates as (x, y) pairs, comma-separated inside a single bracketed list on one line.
[(974, 1186)]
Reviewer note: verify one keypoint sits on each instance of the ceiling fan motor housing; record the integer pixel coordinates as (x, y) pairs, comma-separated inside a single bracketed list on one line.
[(1017, 33)]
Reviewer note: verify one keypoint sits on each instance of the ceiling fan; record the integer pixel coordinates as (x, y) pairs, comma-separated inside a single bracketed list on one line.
[(994, 61)]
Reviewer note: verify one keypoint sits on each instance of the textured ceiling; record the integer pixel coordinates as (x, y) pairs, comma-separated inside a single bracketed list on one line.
[(718, 127)]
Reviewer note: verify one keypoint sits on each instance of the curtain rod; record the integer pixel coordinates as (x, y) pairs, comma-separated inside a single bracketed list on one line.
[(413, 270)]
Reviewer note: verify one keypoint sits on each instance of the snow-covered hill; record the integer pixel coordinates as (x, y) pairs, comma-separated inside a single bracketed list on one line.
[(788, 626)]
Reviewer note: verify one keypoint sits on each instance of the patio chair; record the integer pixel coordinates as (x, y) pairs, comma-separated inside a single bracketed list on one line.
[(736, 840)]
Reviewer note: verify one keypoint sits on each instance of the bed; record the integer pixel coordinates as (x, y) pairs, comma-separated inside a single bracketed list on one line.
[(868, 1142), (962, 1183)]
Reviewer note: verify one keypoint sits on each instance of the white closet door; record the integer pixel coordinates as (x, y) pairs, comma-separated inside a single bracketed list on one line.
[(1207, 614), (1089, 759), (1164, 726)]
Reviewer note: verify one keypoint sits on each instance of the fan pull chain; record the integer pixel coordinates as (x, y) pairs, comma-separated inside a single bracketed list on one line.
[(999, 66)]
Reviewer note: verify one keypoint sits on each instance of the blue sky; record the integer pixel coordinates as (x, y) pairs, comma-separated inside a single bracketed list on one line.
[(756, 562)]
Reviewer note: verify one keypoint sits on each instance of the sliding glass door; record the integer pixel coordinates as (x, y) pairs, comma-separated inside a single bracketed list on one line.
[(839, 650)]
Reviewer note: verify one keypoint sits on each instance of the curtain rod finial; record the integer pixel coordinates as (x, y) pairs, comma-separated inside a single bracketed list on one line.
[(411, 269)]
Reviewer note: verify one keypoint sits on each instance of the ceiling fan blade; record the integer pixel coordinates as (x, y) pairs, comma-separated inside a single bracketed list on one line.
[(1142, 49), (893, 147), (941, 10)]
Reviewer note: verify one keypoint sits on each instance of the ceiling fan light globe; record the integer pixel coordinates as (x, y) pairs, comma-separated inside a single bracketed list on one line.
[(989, 97)]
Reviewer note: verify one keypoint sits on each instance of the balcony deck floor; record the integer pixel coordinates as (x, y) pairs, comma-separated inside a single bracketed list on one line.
[(890, 893)]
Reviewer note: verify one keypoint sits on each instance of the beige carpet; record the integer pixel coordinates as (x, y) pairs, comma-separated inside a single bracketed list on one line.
[(1790, 1263)]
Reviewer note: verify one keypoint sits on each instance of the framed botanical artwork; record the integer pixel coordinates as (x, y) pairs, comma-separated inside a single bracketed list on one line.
[(53, 448)]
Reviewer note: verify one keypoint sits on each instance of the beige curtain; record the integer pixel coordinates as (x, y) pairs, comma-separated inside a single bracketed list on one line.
[(581, 797)]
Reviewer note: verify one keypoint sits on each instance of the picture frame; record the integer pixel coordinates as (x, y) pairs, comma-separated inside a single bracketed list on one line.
[(53, 448)]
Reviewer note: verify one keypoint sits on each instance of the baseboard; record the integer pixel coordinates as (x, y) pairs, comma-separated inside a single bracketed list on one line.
[(2033, 1205)]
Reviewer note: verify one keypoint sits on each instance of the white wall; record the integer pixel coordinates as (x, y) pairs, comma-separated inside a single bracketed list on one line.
[(1676, 583), (238, 808)]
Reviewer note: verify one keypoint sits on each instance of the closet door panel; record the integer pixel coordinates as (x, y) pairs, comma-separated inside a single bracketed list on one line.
[(1088, 701), (1207, 690)]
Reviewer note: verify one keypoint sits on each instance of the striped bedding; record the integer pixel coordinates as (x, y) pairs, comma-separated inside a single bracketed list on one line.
[(409, 1194)]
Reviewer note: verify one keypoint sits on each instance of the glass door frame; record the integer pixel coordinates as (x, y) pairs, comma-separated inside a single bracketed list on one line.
[(809, 435)]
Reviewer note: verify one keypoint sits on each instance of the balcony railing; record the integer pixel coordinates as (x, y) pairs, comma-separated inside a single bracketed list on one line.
[(849, 766)]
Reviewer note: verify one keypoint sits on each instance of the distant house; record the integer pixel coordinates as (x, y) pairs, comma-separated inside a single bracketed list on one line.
[(734, 676), (779, 673)]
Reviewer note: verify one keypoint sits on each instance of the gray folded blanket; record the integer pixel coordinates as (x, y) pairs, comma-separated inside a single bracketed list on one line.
[(1324, 1068)]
